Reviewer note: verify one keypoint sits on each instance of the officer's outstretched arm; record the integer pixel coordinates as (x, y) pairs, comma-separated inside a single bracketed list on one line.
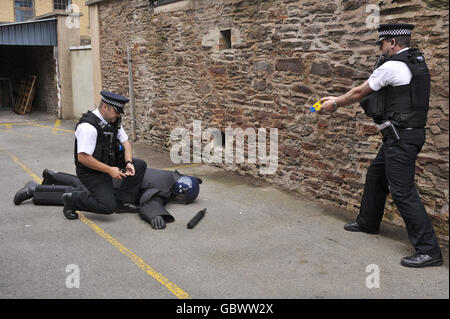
[(92, 163), (352, 96)]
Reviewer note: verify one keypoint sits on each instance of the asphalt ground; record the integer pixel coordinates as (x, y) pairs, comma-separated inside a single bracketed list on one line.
[(255, 241)]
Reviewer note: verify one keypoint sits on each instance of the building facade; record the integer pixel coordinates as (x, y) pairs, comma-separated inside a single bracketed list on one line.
[(23, 10), (262, 64)]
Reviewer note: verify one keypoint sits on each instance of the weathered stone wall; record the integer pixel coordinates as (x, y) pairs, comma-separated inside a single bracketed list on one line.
[(46, 96), (285, 55)]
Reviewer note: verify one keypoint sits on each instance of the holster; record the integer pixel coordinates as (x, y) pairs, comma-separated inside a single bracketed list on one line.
[(389, 130)]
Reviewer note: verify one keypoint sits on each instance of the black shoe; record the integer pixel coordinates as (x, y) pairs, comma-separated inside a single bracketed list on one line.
[(68, 211), (422, 260), (123, 207), (25, 192), (358, 228), (48, 176)]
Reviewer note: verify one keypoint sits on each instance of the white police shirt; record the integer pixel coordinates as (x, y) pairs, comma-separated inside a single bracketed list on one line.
[(86, 135), (393, 73)]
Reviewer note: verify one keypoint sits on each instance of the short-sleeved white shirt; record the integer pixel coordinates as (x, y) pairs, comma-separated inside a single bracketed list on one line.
[(86, 135), (393, 73)]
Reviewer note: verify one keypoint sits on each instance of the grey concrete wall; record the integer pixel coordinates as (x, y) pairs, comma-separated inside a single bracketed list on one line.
[(82, 80)]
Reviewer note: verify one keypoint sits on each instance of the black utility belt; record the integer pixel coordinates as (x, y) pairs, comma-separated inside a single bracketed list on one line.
[(92, 172), (388, 129)]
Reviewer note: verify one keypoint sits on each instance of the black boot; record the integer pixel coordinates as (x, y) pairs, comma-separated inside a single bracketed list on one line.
[(124, 207), (355, 227), (68, 209), (48, 177), (422, 260), (25, 192)]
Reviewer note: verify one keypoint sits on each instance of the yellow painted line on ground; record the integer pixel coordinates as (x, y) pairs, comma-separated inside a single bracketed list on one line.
[(26, 169), (57, 124), (173, 288), (10, 124), (12, 132), (52, 128), (178, 292)]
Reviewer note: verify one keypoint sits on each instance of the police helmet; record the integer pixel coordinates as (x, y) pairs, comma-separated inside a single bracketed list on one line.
[(186, 189)]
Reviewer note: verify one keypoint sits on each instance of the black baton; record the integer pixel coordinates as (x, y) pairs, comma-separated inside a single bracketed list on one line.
[(196, 218)]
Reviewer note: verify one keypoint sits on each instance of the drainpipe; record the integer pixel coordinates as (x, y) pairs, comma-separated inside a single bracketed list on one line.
[(131, 90), (58, 81)]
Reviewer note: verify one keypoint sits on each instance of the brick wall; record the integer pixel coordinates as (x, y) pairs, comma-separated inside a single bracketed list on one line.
[(285, 55), (46, 98)]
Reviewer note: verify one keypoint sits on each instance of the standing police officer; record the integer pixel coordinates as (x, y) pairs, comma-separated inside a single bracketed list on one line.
[(396, 96), (103, 153)]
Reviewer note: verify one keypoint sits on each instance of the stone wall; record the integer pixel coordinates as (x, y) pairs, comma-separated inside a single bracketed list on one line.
[(284, 56), (46, 96)]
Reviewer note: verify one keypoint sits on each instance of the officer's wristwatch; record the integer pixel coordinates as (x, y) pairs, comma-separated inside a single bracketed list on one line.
[(334, 105)]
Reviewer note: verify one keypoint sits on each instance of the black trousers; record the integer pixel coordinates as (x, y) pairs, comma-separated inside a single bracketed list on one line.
[(101, 198), (52, 194), (393, 170)]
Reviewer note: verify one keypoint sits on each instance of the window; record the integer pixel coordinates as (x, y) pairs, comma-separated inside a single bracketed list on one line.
[(60, 4), (225, 39), (23, 10)]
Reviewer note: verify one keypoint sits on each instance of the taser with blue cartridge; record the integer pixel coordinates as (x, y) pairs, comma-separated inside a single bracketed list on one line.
[(316, 106)]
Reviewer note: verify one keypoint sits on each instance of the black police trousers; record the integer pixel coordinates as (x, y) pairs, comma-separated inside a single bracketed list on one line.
[(101, 197), (392, 171), (52, 194)]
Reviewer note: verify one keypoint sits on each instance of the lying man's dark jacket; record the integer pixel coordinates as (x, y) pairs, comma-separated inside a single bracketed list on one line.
[(156, 192)]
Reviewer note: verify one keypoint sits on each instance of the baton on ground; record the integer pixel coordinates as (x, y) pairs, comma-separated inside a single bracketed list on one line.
[(196, 218)]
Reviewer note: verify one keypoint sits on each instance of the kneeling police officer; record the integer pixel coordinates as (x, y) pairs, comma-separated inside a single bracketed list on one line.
[(103, 153)]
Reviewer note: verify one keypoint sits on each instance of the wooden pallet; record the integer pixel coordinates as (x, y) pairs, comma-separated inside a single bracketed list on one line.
[(26, 94)]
